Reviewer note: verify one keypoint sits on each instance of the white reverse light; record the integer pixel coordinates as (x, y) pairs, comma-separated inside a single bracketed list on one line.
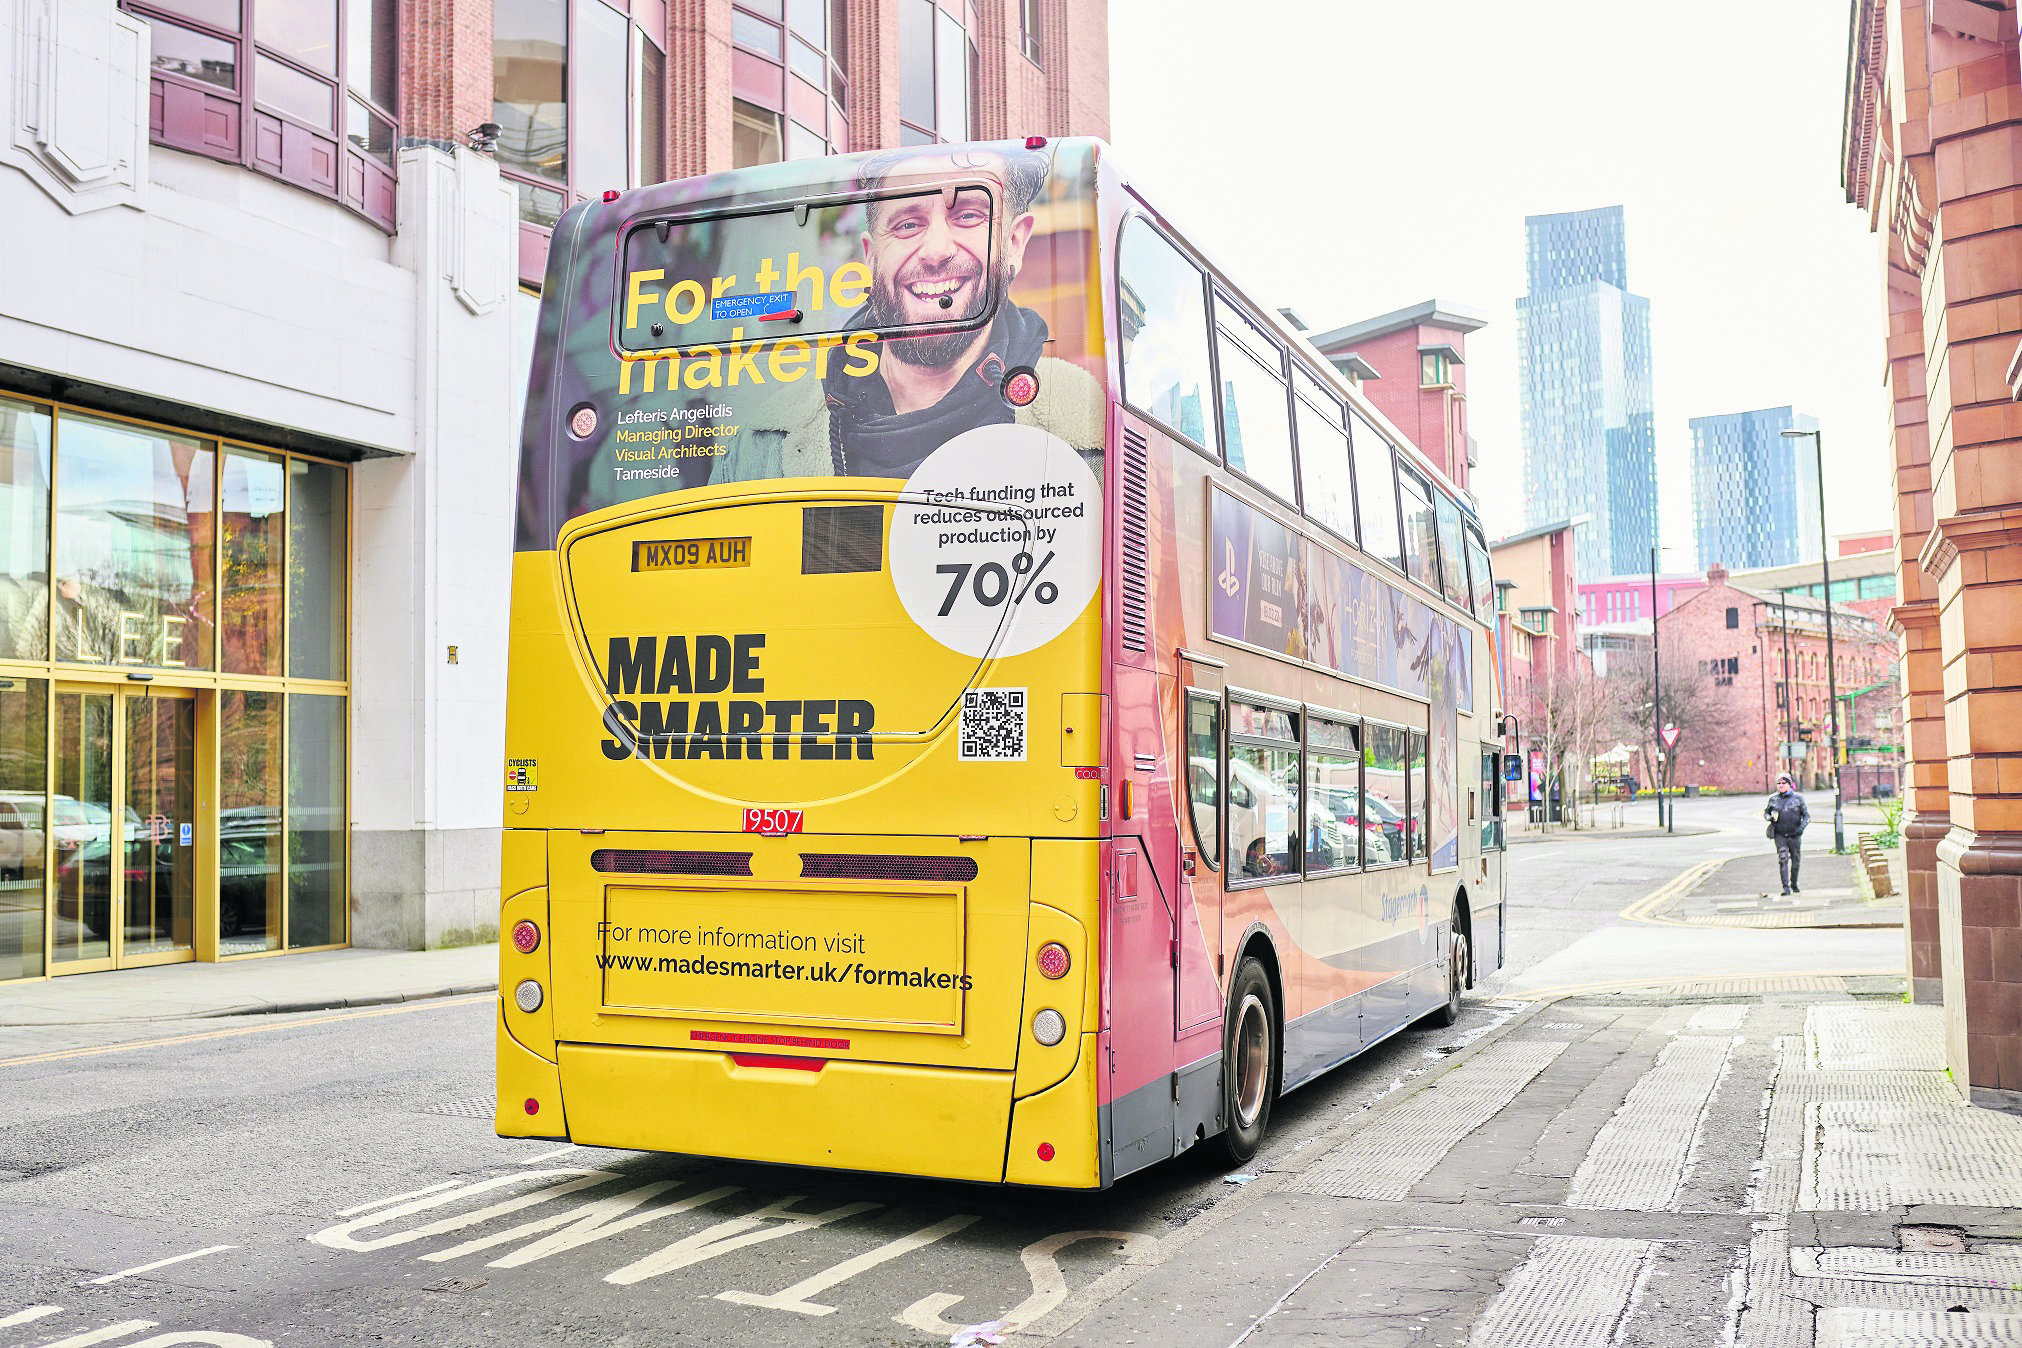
[(527, 996), (1049, 1027)]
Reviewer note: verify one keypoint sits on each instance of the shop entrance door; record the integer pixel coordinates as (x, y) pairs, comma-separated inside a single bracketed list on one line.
[(125, 821)]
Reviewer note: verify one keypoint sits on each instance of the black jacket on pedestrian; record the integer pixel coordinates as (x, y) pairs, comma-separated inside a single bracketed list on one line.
[(1787, 814)]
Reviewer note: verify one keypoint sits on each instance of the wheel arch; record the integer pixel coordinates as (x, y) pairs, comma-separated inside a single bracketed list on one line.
[(1257, 941), (1463, 922)]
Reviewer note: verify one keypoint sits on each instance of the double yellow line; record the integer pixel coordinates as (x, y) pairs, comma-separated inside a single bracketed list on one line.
[(1642, 910), (429, 1004)]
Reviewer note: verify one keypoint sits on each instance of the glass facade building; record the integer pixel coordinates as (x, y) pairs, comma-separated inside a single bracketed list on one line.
[(1754, 490), (1589, 431), (173, 695)]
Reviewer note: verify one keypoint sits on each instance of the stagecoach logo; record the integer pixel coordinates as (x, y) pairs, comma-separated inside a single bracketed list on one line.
[(1397, 905), (1228, 580)]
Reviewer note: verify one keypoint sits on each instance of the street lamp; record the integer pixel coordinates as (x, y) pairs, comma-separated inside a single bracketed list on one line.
[(1831, 664)]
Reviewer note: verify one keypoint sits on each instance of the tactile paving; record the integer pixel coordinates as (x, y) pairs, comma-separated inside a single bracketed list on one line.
[(1398, 1147), (1709, 1019), (1641, 1156), (1865, 1155), (1857, 1038), (1839, 1327), (1927, 1268), (1573, 1292)]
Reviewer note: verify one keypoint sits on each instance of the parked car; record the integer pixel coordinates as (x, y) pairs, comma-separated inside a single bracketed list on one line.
[(22, 839)]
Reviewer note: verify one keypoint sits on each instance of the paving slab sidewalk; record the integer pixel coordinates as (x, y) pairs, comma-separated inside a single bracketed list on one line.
[(1745, 892), (309, 982), (1783, 1172)]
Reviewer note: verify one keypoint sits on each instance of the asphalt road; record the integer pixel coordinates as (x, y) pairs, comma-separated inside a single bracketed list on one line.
[(333, 1179)]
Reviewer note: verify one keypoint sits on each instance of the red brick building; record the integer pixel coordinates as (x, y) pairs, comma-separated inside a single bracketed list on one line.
[(1759, 701), (718, 84), (1412, 364), (1931, 153), (1536, 594)]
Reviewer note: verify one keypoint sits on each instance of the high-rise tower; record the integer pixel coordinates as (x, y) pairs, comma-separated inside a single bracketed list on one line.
[(1589, 436), (1754, 490)]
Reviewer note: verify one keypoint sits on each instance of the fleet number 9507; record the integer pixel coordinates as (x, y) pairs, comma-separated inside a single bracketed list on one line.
[(774, 823)]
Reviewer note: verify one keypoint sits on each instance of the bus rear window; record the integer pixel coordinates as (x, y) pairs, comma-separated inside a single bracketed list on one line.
[(746, 276)]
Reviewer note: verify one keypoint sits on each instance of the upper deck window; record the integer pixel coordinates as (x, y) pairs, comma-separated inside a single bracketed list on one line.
[(1376, 492), (1162, 311), (1256, 414), (1323, 459), (1484, 584), (734, 276), (1421, 545), (1452, 568)]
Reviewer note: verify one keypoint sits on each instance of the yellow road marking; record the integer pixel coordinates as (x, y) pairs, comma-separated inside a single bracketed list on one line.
[(1679, 885), (1673, 980), (426, 1005)]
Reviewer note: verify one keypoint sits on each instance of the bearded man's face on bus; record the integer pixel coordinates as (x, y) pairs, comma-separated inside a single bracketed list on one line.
[(930, 263)]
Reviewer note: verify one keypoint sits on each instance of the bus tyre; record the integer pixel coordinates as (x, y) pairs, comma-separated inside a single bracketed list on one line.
[(1249, 1063), (1456, 977)]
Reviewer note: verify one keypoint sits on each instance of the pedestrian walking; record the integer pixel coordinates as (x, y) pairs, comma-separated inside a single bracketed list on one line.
[(1787, 815)]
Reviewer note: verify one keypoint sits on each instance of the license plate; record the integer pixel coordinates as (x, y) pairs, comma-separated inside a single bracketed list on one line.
[(691, 554), (773, 823)]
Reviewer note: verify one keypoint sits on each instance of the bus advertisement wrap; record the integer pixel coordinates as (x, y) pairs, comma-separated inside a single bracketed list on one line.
[(1283, 593), (748, 337)]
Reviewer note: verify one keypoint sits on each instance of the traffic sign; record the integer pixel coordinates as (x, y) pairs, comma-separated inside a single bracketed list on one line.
[(1670, 736)]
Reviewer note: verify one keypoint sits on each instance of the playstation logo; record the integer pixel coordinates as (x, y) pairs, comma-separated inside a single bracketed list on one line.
[(1227, 579)]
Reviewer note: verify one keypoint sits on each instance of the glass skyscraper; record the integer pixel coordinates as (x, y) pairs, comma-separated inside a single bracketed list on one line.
[(1589, 434), (1754, 491)]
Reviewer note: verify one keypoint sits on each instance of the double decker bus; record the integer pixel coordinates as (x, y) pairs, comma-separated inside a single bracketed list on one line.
[(986, 700)]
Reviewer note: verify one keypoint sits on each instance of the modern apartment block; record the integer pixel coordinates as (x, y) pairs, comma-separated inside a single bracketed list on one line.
[(265, 321), (1754, 490), (1589, 435)]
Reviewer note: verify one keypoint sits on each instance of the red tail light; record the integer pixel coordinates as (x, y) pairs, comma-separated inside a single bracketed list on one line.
[(526, 937)]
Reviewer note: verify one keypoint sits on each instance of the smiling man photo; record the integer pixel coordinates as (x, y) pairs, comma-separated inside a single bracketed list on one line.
[(931, 260)]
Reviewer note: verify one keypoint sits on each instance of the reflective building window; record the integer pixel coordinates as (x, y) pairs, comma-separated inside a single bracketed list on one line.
[(579, 92), (321, 109), (249, 627), (319, 529), (791, 81), (135, 534), (219, 574), (937, 72), (24, 531), (317, 886), (24, 823)]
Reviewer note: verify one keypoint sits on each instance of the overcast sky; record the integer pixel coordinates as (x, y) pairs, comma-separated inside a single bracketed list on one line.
[(1349, 157)]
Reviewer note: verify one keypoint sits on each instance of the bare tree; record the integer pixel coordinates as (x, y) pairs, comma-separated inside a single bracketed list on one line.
[(1692, 701), (1568, 717)]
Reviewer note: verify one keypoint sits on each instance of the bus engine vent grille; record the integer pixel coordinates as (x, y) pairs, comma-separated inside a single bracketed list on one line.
[(836, 539), (1135, 539), (845, 866), (635, 861)]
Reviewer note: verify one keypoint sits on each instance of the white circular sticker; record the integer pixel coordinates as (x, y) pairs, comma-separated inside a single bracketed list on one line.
[(1009, 535)]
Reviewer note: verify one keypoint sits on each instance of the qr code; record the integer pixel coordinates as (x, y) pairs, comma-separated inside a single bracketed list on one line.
[(993, 725)]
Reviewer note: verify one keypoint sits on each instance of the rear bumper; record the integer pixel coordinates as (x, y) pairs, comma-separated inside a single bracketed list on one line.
[(930, 1121)]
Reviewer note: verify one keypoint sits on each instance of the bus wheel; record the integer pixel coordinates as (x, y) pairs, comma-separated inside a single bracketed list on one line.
[(1249, 1063), (1456, 978)]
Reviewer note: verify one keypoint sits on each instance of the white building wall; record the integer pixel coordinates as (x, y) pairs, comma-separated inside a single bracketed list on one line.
[(172, 281)]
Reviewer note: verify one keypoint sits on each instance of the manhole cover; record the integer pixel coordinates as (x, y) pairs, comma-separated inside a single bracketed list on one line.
[(1931, 1239), (456, 1285), (482, 1108)]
